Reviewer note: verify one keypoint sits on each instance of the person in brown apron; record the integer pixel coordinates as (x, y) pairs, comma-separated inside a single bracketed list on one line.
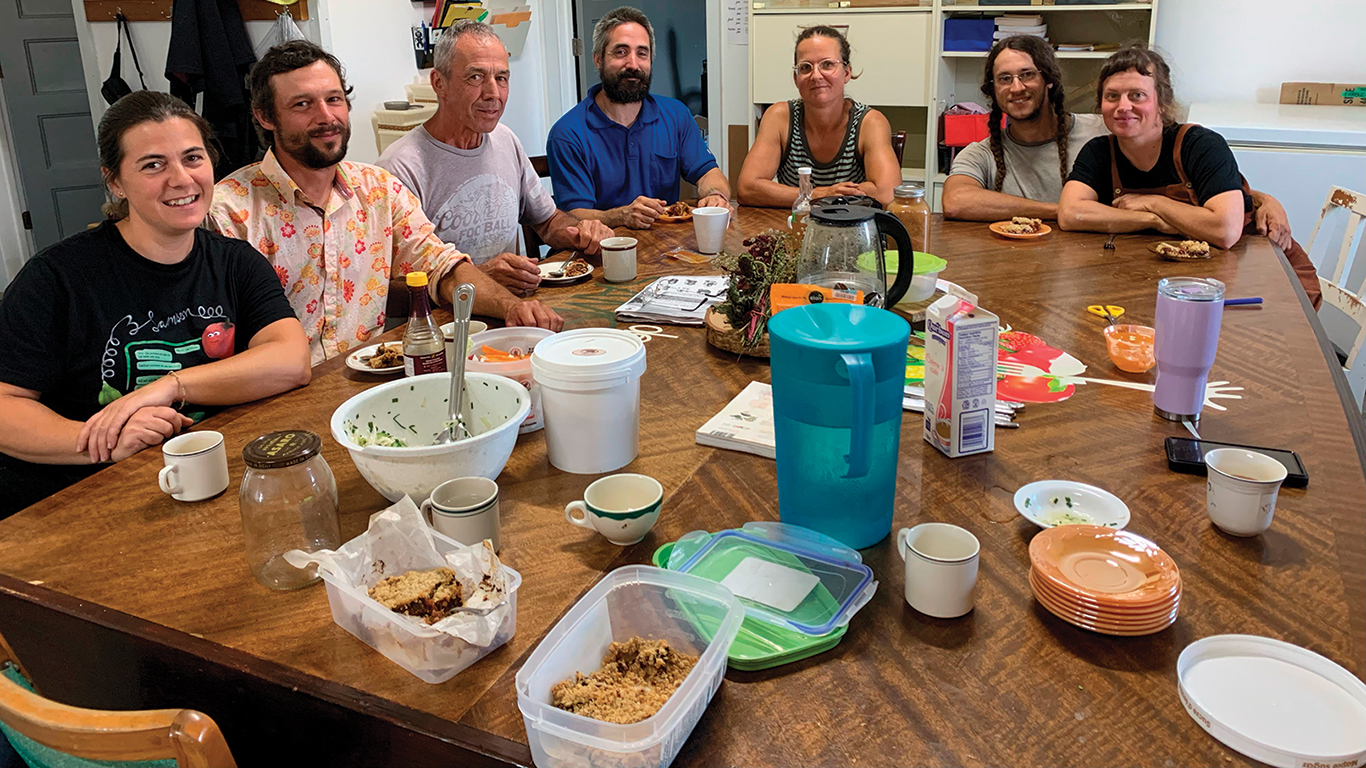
[(1135, 97), (1184, 192)]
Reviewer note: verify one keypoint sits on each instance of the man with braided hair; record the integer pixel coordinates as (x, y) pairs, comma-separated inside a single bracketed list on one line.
[(1019, 170)]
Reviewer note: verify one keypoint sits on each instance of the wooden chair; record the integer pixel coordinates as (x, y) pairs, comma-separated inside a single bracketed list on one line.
[(899, 145), (532, 240), (1345, 290), (190, 738)]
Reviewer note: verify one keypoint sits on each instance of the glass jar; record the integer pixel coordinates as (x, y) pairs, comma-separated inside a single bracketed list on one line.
[(908, 205), (288, 501)]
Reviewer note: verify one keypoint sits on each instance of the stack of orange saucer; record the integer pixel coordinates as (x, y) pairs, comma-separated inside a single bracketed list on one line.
[(1107, 581)]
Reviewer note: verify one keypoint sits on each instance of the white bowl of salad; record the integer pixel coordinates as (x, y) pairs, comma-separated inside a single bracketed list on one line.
[(390, 430)]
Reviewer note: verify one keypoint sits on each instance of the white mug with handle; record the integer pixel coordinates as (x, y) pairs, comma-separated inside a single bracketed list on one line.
[(196, 466), (941, 568)]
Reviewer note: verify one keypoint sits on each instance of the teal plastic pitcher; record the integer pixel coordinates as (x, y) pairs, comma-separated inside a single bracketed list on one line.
[(838, 372)]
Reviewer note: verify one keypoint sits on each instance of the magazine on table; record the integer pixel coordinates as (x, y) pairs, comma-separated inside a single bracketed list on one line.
[(675, 300)]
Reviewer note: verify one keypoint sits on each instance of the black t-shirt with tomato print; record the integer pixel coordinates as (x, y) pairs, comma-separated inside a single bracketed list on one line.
[(89, 320)]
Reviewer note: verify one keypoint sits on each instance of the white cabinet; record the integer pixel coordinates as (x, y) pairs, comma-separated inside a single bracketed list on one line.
[(890, 49), (1293, 152)]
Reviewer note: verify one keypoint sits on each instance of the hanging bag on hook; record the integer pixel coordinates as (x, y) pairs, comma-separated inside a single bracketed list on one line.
[(114, 87)]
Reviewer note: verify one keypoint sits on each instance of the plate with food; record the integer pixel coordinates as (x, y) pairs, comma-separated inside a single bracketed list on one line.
[(1050, 503), (1021, 228), (1185, 250), (377, 358), (679, 211), (574, 270)]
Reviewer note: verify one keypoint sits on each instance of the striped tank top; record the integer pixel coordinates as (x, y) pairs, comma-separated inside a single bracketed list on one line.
[(846, 165)]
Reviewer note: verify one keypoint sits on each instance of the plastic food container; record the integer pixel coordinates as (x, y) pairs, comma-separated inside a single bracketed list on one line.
[(590, 394), (761, 644), (787, 576), (923, 279), (432, 659), (636, 600), (518, 341)]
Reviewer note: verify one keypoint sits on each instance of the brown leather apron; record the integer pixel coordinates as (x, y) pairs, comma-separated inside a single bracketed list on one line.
[(1184, 192)]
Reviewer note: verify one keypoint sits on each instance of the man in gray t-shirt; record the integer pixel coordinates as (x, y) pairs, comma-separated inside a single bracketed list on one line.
[(1025, 83), (1032, 169), (473, 178)]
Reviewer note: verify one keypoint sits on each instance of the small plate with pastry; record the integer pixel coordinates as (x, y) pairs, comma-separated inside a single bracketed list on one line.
[(1021, 228), (1185, 250), (377, 358), (679, 211)]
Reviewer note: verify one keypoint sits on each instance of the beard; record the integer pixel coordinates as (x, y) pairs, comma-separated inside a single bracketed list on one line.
[(621, 92), (300, 146)]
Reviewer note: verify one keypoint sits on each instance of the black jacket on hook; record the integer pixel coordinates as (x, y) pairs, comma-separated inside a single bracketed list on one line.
[(210, 52)]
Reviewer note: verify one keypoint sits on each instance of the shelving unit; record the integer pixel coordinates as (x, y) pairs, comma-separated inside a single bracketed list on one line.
[(909, 77)]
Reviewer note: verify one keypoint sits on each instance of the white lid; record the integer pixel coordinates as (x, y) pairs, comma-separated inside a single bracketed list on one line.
[(1274, 701), (588, 355)]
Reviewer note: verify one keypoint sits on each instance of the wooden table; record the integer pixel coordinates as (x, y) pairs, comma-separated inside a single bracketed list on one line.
[(114, 595)]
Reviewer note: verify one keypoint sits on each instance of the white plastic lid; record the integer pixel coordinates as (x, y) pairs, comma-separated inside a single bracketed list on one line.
[(588, 355), (1273, 701)]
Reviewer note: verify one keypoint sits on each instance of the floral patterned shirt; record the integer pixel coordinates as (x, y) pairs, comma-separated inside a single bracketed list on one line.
[(334, 263)]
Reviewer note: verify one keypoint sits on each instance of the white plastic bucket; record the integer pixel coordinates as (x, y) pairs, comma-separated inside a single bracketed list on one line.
[(590, 396), (516, 340)]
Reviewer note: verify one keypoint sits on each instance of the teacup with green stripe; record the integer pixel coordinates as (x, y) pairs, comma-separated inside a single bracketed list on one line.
[(621, 507)]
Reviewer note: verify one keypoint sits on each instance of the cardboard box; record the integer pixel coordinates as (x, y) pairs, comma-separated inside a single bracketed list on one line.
[(960, 376), (1327, 94)]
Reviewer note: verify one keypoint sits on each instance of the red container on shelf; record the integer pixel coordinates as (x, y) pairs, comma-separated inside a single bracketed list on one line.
[(962, 130)]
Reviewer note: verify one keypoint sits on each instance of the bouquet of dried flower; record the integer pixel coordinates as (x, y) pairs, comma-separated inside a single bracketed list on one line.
[(771, 258)]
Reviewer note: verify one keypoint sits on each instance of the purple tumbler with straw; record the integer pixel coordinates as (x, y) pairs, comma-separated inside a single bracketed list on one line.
[(1189, 313)]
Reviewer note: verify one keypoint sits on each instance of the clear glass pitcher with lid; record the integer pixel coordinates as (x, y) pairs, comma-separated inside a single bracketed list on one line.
[(842, 249)]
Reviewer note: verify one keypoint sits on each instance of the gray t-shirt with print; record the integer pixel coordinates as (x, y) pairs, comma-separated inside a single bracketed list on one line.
[(476, 198), (1031, 169)]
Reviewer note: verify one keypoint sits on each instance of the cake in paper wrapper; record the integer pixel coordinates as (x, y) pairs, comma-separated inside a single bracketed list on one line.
[(399, 541)]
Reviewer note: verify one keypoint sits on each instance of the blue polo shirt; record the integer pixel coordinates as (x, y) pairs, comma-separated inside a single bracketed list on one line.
[(596, 163)]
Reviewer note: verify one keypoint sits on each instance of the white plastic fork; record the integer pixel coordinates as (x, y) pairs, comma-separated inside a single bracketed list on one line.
[(1213, 390), (1008, 368)]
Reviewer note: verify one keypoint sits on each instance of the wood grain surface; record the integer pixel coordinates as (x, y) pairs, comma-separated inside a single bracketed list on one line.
[(113, 557)]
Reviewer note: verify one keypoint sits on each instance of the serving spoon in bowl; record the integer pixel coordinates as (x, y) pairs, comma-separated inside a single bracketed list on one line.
[(462, 302)]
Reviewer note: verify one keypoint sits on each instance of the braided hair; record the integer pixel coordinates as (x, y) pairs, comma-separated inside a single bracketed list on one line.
[(1047, 64)]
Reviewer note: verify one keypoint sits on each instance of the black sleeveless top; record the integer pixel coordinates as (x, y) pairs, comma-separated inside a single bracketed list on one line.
[(847, 164)]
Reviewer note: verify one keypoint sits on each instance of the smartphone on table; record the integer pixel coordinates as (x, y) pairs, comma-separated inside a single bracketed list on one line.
[(1187, 455)]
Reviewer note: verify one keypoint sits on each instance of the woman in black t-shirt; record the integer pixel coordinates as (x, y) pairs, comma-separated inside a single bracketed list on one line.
[(1152, 173), (1138, 178), (117, 338)]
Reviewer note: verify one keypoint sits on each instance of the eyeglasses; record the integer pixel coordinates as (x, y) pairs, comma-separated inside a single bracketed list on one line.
[(1027, 77), (826, 66)]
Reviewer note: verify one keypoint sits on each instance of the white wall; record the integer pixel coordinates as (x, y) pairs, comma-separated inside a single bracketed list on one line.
[(1242, 50)]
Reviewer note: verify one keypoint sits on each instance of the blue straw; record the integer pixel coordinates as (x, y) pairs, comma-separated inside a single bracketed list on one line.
[(1239, 302)]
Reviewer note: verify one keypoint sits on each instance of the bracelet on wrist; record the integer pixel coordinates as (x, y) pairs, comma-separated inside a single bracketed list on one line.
[(181, 385)]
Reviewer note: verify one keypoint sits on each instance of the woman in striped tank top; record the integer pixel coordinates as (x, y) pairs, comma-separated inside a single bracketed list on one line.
[(847, 145)]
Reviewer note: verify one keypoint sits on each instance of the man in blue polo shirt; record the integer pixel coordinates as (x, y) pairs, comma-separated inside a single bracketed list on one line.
[(618, 154)]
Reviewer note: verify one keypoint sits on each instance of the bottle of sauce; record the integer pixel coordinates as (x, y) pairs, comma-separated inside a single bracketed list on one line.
[(424, 346), (908, 205), (801, 207)]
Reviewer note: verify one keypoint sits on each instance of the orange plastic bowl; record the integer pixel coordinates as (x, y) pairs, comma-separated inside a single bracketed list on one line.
[(1130, 347)]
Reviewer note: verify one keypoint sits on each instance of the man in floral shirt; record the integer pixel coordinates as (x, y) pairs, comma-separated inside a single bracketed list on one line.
[(337, 231)]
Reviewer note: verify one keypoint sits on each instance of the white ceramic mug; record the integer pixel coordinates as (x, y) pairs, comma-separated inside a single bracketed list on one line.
[(466, 509), (709, 225), (619, 259), (196, 466), (621, 507), (941, 568), (1242, 489)]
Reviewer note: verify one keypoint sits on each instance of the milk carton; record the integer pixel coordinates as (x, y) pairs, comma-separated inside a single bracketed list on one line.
[(960, 376)]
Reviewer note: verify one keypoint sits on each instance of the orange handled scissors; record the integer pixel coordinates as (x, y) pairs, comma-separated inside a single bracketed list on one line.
[(1110, 312)]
